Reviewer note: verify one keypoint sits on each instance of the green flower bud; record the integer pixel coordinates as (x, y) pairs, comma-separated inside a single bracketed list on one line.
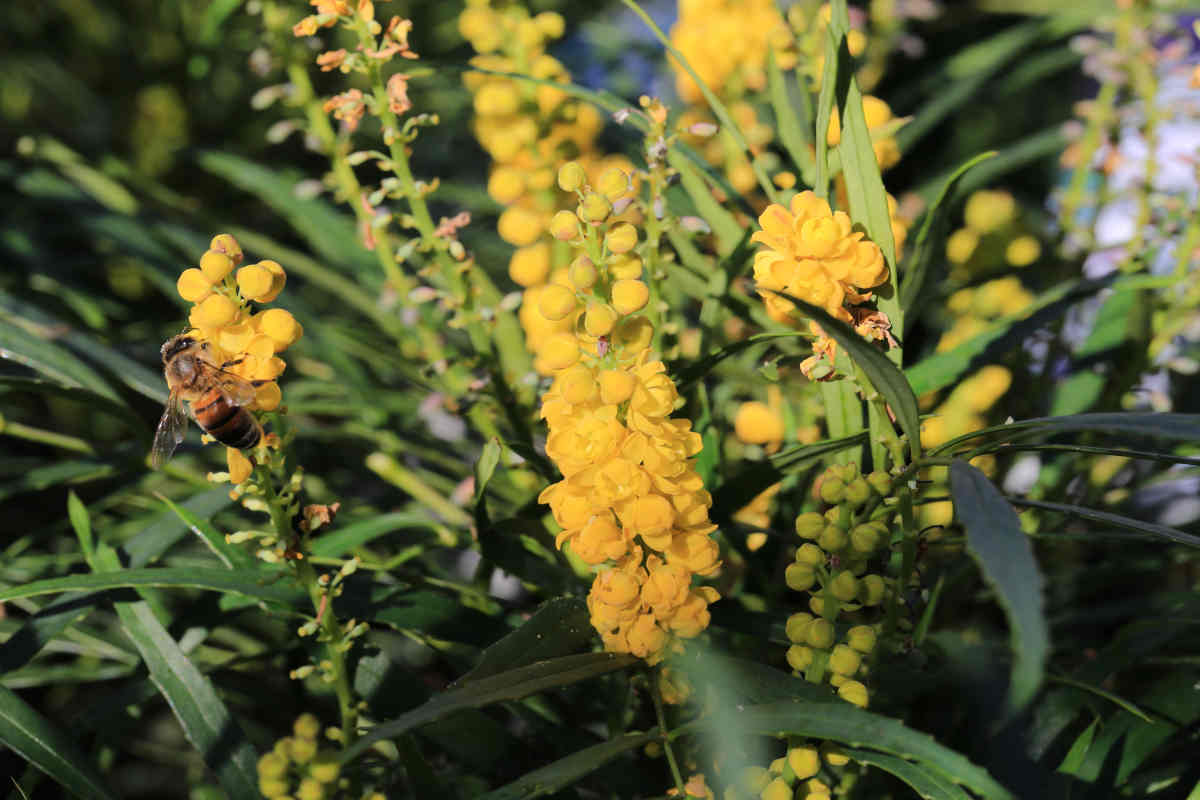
[(844, 586), (861, 638), (797, 624), (832, 539), (595, 208), (799, 657), (810, 554), (864, 538), (844, 660), (832, 490), (809, 525), (820, 634), (871, 590), (858, 491), (800, 576), (881, 482), (804, 761), (270, 765)]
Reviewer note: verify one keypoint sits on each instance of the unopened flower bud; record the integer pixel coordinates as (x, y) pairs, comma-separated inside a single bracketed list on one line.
[(613, 183), (832, 539), (629, 296), (809, 525), (797, 624), (599, 319), (799, 577), (804, 762), (844, 660), (621, 238), (853, 692), (871, 590), (564, 226), (594, 208), (844, 586), (583, 273), (193, 285), (571, 177), (858, 491), (820, 634), (799, 657), (560, 351), (625, 266), (861, 638), (810, 554), (881, 482), (215, 265), (832, 490), (556, 302), (777, 789), (225, 243)]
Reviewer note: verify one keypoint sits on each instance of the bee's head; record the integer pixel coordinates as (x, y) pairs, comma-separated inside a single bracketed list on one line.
[(176, 345)]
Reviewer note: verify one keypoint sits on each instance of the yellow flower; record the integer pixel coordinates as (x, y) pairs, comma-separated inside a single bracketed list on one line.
[(1022, 251), (989, 210), (756, 423), (812, 253)]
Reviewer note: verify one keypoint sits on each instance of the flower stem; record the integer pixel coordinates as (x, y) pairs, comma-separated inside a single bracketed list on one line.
[(665, 734)]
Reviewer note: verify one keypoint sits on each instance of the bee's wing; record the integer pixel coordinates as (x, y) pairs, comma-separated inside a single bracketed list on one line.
[(170, 430), (235, 387)]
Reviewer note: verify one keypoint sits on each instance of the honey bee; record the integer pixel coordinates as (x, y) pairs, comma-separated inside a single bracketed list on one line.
[(218, 400)]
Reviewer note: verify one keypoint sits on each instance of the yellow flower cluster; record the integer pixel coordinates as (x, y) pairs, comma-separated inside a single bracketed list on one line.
[(811, 31), (812, 253), (296, 767), (836, 557), (991, 237), (246, 341), (529, 130), (726, 42), (630, 495)]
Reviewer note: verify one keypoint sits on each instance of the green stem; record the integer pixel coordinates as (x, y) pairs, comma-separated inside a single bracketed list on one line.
[(30, 434), (331, 631), (665, 733)]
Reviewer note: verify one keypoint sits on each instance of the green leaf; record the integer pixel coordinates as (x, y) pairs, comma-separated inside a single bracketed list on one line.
[(1117, 520), (207, 578), (925, 247), (510, 685), (925, 782), (885, 376), (82, 523), (38, 353), (168, 528), (41, 627), (791, 130), (485, 467), (559, 627), (1074, 757), (230, 555), (45, 746), (724, 225), (346, 539), (853, 726), (1032, 149), (566, 771), (1005, 555), (864, 183), (206, 722), (86, 397), (1180, 427)]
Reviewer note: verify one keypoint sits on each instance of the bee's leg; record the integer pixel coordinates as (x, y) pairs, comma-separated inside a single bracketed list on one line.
[(233, 362), (260, 382)]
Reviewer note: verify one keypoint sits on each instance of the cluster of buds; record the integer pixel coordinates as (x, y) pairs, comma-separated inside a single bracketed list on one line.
[(244, 341), (992, 237), (793, 775), (529, 130), (298, 767), (833, 568)]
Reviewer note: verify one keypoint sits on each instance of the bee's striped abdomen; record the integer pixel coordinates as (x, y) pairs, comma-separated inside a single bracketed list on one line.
[(229, 424)]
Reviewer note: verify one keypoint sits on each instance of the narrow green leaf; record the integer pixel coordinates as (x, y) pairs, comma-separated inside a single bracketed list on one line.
[(45, 746), (943, 369), (86, 397), (1150, 528), (559, 627), (853, 726), (883, 374), (1179, 427), (230, 555), (826, 101), (925, 782), (936, 219), (510, 685), (206, 578), (47, 623), (1075, 756), (1005, 556), (38, 353), (724, 225), (564, 772), (485, 467), (82, 523), (864, 183), (206, 722), (167, 529), (345, 539), (791, 129)]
